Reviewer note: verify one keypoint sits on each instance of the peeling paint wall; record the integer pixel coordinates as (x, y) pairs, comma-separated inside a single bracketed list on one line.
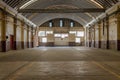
[(105, 34), (18, 35), (112, 32), (55, 41), (9, 32), (14, 33), (0, 30), (25, 36), (118, 30)]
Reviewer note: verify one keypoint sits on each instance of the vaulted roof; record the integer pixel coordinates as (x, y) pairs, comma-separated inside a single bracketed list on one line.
[(39, 18)]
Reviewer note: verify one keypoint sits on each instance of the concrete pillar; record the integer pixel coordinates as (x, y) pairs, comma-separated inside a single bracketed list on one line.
[(22, 35), (86, 36), (107, 26), (15, 27), (94, 36), (32, 37), (118, 31), (28, 37), (36, 37), (3, 31), (89, 37), (99, 35)]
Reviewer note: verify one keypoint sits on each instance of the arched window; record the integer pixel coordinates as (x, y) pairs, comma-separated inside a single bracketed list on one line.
[(77, 40), (72, 24), (41, 33), (44, 40), (80, 34), (61, 23), (50, 24)]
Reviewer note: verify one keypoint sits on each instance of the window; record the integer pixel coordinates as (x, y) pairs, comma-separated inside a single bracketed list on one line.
[(49, 32), (103, 27), (61, 35), (72, 32), (77, 40), (41, 33), (44, 40), (80, 34), (71, 24), (50, 24), (64, 35), (61, 23), (57, 35)]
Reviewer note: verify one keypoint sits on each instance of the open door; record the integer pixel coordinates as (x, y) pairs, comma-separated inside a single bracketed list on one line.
[(11, 42)]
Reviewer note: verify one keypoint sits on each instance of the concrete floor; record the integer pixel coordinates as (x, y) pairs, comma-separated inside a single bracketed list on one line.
[(60, 63)]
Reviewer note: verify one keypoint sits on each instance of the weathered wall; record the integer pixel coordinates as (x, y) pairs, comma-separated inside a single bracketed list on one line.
[(50, 39), (64, 29), (18, 35), (9, 32), (25, 36), (35, 37), (112, 32), (30, 38), (97, 35), (70, 40), (0, 30), (56, 23), (87, 40), (3, 21), (14, 33), (105, 34), (61, 41), (82, 41), (118, 30)]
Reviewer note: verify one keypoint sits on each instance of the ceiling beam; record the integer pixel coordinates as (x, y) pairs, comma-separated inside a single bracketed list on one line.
[(82, 10)]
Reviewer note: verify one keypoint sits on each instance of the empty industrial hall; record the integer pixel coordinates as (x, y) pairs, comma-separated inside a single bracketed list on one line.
[(59, 39)]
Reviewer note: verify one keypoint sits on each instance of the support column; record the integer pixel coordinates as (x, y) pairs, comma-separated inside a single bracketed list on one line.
[(94, 36), (118, 31), (90, 41), (15, 26), (27, 36), (32, 38), (107, 26), (3, 31), (37, 37), (99, 27), (87, 36), (22, 35)]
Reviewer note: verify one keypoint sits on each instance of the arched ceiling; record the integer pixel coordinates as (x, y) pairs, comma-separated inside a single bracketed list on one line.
[(43, 18), (39, 18)]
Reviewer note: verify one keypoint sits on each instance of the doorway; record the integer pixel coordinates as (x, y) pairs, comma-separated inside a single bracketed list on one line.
[(61, 39), (11, 42)]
